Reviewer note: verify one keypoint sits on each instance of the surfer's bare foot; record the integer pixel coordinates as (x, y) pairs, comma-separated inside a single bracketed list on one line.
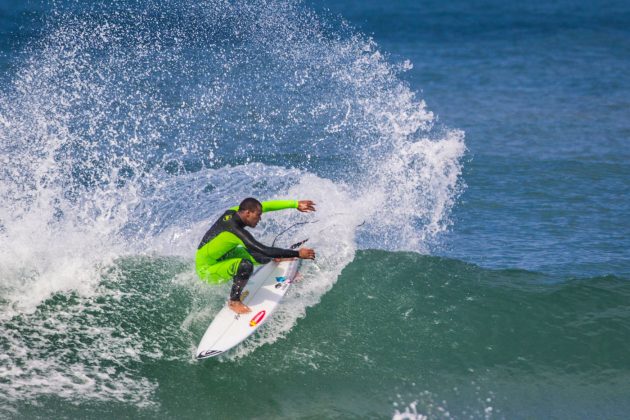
[(283, 259), (238, 307)]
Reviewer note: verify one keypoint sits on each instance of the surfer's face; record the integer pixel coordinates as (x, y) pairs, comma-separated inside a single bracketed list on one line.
[(251, 218)]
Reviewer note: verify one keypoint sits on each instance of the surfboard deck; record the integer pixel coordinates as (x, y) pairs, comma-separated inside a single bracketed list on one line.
[(263, 292)]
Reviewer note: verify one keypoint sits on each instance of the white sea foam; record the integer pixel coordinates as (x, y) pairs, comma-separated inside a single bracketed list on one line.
[(67, 353), (121, 140), (427, 405), (410, 413)]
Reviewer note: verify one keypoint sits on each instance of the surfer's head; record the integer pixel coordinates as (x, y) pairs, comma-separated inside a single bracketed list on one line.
[(250, 211)]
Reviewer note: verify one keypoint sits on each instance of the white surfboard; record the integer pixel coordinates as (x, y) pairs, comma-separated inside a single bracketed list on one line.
[(263, 292)]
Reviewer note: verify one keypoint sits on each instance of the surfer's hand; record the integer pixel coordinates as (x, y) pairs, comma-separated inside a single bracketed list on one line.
[(306, 206), (307, 253)]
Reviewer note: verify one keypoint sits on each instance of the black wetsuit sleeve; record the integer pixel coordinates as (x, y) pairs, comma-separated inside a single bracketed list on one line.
[(254, 247)]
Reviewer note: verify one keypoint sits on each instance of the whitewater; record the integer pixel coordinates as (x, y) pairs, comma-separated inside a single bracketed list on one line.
[(125, 135)]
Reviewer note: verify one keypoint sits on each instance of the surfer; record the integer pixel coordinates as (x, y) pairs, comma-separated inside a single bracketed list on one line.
[(228, 251)]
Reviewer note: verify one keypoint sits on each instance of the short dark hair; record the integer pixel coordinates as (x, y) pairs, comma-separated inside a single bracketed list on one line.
[(250, 204)]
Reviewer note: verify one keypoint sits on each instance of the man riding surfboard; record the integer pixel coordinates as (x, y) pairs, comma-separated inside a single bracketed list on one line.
[(228, 251)]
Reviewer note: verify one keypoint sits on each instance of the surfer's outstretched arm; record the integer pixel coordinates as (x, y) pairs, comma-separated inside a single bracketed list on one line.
[(274, 205)]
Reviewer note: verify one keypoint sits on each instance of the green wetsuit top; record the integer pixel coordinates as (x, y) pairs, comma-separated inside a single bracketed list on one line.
[(228, 232)]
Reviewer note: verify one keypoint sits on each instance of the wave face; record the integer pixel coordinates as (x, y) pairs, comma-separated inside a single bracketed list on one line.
[(127, 127), (400, 333)]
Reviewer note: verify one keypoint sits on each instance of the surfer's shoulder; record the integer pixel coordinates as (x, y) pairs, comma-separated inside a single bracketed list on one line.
[(228, 215)]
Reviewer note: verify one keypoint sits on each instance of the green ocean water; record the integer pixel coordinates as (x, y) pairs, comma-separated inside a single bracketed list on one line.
[(460, 340)]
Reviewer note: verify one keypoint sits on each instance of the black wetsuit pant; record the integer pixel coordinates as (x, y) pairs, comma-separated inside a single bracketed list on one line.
[(244, 271)]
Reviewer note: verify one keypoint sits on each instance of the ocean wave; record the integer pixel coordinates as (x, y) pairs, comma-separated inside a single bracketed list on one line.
[(126, 129)]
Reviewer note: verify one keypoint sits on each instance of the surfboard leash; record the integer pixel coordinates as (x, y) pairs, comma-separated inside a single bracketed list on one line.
[(296, 245)]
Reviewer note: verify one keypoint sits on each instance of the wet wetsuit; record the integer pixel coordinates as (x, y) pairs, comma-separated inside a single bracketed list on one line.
[(229, 251)]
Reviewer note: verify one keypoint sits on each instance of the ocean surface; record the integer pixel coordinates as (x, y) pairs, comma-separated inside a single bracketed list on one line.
[(470, 162)]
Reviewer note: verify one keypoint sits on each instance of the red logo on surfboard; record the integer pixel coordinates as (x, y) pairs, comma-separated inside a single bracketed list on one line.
[(257, 318)]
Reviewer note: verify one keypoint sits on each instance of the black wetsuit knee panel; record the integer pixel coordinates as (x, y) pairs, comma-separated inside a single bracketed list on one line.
[(245, 269)]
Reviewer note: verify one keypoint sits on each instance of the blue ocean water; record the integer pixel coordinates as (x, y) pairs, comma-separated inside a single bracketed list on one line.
[(541, 90), (472, 175)]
